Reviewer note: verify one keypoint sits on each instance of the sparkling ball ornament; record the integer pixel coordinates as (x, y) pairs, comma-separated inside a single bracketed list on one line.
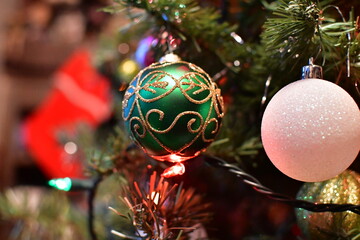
[(311, 130), (172, 110), (343, 189)]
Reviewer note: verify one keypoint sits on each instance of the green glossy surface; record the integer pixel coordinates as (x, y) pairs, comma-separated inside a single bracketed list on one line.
[(168, 98)]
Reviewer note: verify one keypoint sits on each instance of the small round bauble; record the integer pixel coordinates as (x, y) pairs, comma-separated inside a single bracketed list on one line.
[(311, 130), (127, 69), (343, 189), (172, 110)]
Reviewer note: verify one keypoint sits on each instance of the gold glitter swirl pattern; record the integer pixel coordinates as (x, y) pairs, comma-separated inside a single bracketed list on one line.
[(218, 103), (189, 125), (154, 84), (216, 129), (136, 126), (125, 102), (194, 82)]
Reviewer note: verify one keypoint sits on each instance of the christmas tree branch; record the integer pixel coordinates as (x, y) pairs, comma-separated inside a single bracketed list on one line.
[(188, 20), (296, 31), (300, 29)]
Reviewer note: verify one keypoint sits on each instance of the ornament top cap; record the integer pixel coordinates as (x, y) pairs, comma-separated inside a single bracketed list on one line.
[(170, 57), (311, 71)]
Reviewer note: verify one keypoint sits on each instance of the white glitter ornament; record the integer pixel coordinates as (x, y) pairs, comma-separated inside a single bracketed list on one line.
[(311, 130)]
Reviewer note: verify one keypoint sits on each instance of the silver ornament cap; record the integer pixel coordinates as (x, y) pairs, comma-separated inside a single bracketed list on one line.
[(311, 71), (170, 57)]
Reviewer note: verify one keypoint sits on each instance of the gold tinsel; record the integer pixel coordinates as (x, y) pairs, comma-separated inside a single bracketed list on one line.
[(164, 211)]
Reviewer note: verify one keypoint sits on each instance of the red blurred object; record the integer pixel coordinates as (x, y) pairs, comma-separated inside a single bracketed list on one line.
[(176, 170), (80, 95)]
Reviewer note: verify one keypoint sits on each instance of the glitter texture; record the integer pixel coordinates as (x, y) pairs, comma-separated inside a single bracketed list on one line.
[(345, 188), (172, 110), (311, 130)]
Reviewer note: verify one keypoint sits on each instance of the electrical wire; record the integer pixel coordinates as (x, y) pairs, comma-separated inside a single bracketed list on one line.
[(257, 186)]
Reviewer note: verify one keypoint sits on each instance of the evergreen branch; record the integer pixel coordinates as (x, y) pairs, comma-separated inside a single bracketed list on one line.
[(41, 214), (296, 31), (190, 21), (291, 34), (300, 29), (118, 155)]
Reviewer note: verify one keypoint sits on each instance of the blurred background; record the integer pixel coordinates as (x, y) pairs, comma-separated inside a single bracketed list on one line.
[(62, 64), (49, 85)]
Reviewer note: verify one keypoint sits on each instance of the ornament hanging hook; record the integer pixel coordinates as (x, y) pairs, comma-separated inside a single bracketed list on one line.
[(170, 49), (169, 54), (311, 70)]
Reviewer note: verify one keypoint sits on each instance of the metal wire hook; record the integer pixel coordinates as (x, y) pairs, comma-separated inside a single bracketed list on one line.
[(347, 35)]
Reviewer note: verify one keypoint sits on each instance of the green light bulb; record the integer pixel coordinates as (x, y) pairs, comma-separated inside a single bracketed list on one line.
[(63, 184)]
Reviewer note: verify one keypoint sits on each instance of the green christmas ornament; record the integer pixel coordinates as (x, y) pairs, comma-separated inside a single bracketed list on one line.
[(172, 110), (345, 188)]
